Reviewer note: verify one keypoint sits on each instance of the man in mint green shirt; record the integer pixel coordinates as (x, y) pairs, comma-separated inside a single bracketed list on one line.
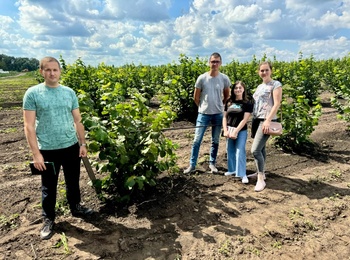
[(53, 128)]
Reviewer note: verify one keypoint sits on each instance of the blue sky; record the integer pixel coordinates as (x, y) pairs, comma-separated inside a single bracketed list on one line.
[(157, 31)]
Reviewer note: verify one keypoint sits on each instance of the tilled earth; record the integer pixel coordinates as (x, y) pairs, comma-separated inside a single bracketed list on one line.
[(302, 214)]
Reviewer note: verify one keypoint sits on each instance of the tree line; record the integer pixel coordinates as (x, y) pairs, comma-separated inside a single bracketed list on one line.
[(9, 63)]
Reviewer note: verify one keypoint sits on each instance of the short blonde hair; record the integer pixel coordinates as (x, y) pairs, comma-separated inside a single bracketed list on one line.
[(48, 59)]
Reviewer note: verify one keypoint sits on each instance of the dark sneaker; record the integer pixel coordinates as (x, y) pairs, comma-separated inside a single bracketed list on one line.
[(80, 210), (47, 229)]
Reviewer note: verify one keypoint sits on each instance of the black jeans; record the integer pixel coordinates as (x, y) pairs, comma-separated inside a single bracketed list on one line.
[(69, 159)]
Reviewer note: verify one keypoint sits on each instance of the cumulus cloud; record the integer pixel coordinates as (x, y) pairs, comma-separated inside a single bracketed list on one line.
[(49, 21), (6, 22), (334, 20), (143, 10), (242, 14), (120, 31)]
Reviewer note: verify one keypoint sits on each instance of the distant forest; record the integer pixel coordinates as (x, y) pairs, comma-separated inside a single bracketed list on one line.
[(8, 63)]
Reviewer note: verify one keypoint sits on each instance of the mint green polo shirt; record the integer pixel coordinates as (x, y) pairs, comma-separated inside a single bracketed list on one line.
[(54, 119)]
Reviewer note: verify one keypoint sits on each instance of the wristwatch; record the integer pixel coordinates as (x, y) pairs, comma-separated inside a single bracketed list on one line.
[(83, 145)]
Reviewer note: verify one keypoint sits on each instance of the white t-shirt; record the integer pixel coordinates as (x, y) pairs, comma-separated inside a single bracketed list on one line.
[(263, 98), (212, 89)]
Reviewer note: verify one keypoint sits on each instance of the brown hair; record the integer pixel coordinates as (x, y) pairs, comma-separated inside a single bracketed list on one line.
[(216, 55), (233, 96), (264, 63)]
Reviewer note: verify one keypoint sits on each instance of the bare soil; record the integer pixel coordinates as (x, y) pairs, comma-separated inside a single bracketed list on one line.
[(302, 214)]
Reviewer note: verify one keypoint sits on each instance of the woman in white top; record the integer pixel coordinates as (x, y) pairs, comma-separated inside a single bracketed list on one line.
[(267, 100)]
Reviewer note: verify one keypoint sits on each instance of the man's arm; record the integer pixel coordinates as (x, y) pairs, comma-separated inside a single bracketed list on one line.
[(224, 123), (29, 117), (226, 94), (80, 131), (197, 95)]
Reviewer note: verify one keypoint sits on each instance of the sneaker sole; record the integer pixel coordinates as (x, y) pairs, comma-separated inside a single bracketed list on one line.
[(49, 235), (189, 172), (46, 237)]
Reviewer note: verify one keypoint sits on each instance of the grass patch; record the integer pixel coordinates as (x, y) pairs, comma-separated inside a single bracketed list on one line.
[(10, 74), (9, 221), (335, 174), (63, 242), (8, 130), (277, 244), (61, 206), (13, 88), (225, 248), (295, 213)]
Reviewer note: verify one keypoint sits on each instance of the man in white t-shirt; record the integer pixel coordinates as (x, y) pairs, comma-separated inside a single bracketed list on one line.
[(212, 89)]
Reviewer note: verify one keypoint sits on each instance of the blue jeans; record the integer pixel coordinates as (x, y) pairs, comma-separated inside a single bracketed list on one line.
[(236, 154), (203, 121), (259, 148), (69, 159)]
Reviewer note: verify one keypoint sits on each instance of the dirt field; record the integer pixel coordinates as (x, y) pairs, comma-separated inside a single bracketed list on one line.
[(302, 214)]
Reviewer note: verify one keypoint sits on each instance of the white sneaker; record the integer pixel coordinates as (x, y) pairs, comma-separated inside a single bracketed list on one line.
[(229, 173), (245, 179), (212, 168), (190, 169), (255, 175), (260, 184)]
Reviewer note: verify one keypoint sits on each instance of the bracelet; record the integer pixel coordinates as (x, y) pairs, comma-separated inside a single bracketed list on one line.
[(83, 145)]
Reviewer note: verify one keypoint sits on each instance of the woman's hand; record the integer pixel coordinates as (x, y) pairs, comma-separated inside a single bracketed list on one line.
[(234, 134), (265, 127), (225, 133)]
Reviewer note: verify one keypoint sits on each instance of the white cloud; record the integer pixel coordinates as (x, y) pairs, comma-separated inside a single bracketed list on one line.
[(120, 31), (6, 22), (143, 10), (242, 14), (189, 25), (320, 49), (334, 20), (157, 28), (93, 44), (272, 17), (49, 21), (297, 5)]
